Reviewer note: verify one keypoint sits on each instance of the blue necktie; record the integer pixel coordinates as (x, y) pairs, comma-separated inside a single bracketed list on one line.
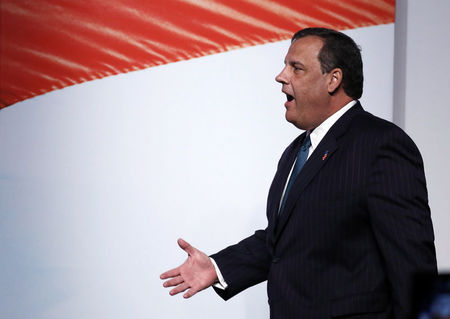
[(302, 156)]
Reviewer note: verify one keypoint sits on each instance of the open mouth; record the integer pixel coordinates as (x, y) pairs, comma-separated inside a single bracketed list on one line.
[(289, 97)]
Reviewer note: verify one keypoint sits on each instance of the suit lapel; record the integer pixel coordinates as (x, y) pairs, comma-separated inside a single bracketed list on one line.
[(280, 179), (321, 155), (310, 169)]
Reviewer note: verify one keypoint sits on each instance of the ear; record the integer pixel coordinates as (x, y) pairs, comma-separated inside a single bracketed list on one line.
[(335, 80)]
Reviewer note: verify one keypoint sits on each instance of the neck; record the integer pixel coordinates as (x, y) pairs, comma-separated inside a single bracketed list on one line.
[(338, 101)]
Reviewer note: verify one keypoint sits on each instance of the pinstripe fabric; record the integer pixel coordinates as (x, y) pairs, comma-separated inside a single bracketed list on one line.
[(355, 228)]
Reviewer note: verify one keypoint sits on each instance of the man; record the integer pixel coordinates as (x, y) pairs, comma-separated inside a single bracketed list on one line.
[(348, 228)]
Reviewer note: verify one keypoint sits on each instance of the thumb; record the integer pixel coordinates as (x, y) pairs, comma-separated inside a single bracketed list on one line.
[(186, 246)]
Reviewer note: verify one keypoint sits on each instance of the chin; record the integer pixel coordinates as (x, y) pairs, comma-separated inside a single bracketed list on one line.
[(295, 122), (289, 118)]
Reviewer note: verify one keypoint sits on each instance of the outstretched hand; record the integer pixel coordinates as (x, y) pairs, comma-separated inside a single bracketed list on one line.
[(195, 274)]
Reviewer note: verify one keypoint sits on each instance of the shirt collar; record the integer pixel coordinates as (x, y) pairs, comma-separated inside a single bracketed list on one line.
[(319, 132)]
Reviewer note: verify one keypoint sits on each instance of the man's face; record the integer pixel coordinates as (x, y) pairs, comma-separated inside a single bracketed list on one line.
[(305, 86)]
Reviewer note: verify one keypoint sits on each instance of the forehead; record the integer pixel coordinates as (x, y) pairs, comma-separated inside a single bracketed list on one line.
[(304, 49)]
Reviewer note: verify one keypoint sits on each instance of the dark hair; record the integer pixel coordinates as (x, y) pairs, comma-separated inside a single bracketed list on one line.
[(339, 51)]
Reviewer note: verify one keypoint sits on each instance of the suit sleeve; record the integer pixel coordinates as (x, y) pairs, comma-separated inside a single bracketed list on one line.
[(244, 264), (400, 216)]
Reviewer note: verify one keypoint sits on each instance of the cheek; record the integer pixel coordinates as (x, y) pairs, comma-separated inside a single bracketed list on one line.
[(303, 91)]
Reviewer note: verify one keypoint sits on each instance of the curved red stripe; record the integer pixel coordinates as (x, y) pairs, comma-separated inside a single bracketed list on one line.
[(51, 44)]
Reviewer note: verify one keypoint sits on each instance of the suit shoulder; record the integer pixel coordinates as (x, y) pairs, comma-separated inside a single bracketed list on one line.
[(380, 131), (367, 123)]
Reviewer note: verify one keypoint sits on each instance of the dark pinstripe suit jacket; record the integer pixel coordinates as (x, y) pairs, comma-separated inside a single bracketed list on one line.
[(355, 228)]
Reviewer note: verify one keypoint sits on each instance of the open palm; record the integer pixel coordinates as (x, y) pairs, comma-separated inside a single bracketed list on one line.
[(195, 274)]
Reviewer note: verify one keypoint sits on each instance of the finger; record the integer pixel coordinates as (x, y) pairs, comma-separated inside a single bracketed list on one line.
[(179, 289), (190, 293), (173, 282), (186, 246), (170, 273)]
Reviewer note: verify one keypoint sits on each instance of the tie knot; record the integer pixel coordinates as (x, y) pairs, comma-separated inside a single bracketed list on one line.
[(306, 143)]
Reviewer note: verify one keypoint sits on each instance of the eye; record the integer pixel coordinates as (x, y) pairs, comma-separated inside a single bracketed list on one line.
[(296, 66)]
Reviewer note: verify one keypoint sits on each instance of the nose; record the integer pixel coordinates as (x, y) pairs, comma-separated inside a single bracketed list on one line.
[(282, 78)]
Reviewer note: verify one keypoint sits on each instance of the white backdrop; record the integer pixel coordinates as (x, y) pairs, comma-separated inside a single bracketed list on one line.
[(98, 180), (422, 102)]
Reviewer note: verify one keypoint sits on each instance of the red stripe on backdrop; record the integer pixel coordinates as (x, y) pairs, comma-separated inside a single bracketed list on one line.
[(51, 44)]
